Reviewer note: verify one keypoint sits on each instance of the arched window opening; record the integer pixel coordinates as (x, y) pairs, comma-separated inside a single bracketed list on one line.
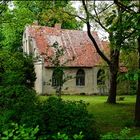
[(80, 78), (57, 78), (101, 77)]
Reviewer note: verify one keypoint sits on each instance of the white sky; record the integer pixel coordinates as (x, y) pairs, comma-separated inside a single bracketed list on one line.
[(102, 34)]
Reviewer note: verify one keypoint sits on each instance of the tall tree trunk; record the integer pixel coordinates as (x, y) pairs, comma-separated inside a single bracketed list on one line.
[(114, 59), (113, 62), (113, 88), (114, 66), (137, 106)]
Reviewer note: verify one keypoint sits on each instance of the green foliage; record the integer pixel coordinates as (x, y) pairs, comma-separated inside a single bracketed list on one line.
[(46, 13), (108, 116), (14, 102), (15, 69), (16, 96), (3, 8), (60, 136), (129, 123), (124, 134), (127, 82), (78, 137), (17, 77), (126, 87), (12, 28), (66, 117), (19, 132), (22, 132)]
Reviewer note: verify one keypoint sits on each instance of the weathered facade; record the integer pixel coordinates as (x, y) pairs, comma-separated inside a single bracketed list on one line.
[(85, 66)]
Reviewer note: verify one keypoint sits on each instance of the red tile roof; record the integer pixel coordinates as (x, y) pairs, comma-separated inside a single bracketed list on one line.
[(76, 44)]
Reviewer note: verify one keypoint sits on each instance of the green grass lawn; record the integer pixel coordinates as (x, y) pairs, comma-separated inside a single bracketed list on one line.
[(108, 117)]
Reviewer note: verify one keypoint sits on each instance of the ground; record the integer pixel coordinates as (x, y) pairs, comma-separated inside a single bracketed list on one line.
[(109, 117)]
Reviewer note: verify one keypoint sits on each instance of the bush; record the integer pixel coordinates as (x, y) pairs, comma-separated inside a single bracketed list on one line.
[(66, 117), (14, 102), (60, 136), (16, 97), (17, 78), (15, 69), (22, 132), (19, 132), (124, 134), (20, 105), (69, 117)]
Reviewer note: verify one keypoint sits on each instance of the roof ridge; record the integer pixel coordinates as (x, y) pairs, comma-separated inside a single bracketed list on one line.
[(75, 43), (40, 26)]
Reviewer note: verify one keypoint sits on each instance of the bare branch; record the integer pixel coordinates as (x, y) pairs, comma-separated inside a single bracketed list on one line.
[(105, 8), (124, 7), (98, 19), (74, 15), (91, 36)]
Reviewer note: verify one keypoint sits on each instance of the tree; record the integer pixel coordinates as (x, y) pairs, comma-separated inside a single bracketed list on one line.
[(128, 81), (16, 69), (113, 24), (55, 60), (46, 13), (133, 9), (3, 8), (137, 106), (17, 78)]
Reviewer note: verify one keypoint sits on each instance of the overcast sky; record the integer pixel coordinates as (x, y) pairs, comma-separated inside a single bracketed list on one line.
[(102, 34)]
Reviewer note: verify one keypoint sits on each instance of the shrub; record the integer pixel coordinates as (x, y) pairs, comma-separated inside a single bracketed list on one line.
[(129, 123), (22, 132), (60, 136), (16, 96), (124, 134), (15, 69), (66, 117), (20, 105), (17, 78), (19, 132), (14, 102)]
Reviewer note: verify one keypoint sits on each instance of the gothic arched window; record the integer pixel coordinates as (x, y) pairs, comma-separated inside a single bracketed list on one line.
[(80, 78), (57, 78)]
